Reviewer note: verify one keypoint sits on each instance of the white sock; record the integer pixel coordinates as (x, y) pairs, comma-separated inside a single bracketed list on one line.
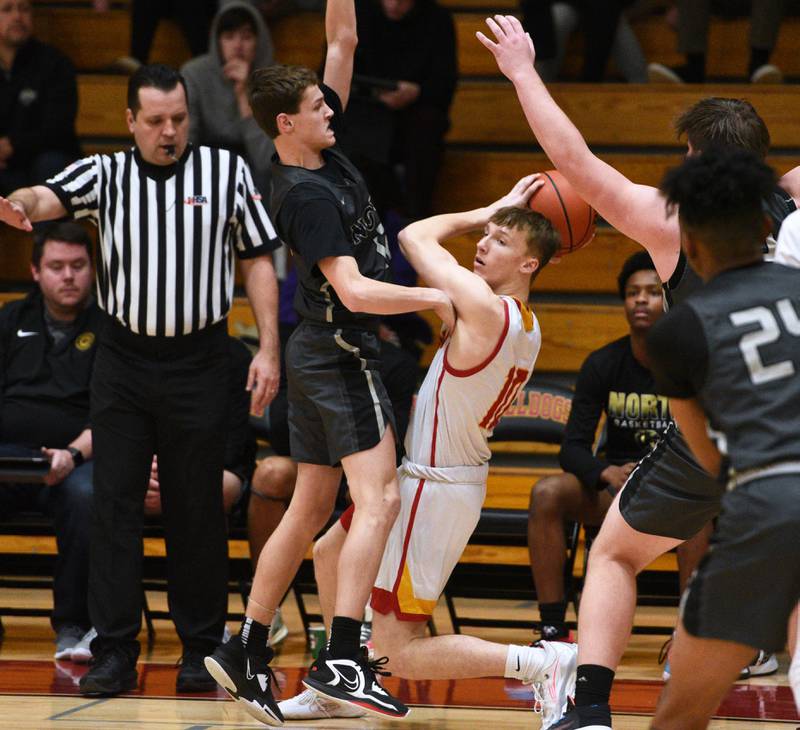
[(523, 661)]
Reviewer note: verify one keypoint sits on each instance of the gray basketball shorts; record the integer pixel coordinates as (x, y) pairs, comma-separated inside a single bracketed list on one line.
[(749, 581), (338, 404), (668, 493)]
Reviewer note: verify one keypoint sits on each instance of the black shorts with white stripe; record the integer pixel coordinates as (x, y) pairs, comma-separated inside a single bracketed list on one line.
[(338, 404)]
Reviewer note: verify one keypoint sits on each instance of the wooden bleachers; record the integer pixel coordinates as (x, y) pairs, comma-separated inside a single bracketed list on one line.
[(95, 40)]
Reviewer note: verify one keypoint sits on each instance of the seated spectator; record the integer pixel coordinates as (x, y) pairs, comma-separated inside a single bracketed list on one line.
[(605, 30), (38, 103), (411, 44), (625, 50), (693, 22), (614, 380), (219, 113), (193, 17), (47, 350), (240, 443)]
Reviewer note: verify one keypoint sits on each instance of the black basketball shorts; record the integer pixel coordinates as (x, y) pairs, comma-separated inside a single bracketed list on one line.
[(749, 581), (668, 493), (338, 404)]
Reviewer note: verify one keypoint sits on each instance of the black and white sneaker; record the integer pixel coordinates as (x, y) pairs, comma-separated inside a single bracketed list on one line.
[(247, 679), (354, 680)]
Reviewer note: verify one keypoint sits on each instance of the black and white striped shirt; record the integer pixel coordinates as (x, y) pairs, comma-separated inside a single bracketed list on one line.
[(167, 234)]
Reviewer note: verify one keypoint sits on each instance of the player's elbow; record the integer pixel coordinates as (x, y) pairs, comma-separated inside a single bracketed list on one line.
[(353, 295), (344, 40), (407, 241)]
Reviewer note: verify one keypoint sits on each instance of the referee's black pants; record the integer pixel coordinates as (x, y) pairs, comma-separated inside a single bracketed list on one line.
[(166, 396)]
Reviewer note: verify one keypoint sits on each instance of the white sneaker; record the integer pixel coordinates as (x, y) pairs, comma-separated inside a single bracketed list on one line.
[(309, 705), (767, 74), (67, 638), (278, 630), (554, 683), (761, 665), (82, 651)]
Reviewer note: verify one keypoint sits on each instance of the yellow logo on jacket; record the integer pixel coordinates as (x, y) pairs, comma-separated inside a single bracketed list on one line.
[(84, 341)]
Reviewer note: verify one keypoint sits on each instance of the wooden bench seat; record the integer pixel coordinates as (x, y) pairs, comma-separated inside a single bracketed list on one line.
[(569, 331), (613, 114), (472, 177), (488, 113)]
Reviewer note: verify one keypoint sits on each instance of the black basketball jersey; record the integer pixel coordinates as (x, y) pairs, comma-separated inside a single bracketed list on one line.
[(735, 345), (684, 281), (357, 231)]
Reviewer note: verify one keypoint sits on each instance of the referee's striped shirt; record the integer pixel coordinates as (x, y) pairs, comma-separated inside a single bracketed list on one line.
[(167, 234)]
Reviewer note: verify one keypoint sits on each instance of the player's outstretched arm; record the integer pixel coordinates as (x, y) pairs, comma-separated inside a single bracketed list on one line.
[(341, 37), (638, 211), (361, 294), (27, 205)]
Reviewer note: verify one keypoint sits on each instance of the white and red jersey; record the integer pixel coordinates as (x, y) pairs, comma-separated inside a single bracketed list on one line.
[(456, 410)]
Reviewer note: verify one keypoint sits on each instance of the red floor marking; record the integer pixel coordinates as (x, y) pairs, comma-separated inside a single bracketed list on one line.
[(752, 702)]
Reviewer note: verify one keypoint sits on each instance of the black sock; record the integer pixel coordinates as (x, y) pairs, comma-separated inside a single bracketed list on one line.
[(255, 637), (553, 614), (593, 685), (345, 637), (695, 68), (758, 57)]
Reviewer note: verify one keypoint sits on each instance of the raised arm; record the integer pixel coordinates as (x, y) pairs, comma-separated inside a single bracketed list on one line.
[(28, 205), (341, 37), (638, 211)]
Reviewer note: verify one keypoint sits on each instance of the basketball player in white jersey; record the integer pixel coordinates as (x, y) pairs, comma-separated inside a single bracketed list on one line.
[(474, 376)]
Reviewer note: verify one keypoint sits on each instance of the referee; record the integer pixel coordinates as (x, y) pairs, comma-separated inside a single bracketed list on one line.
[(169, 217)]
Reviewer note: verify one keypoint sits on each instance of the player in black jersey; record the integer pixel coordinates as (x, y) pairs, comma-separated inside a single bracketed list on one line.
[(668, 499), (729, 358), (340, 416)]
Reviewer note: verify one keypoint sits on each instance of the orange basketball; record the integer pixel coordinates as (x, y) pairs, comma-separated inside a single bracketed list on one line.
[(570, 215)]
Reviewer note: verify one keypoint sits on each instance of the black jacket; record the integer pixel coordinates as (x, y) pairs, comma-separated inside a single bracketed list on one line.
[(44, 388), (39, 103)]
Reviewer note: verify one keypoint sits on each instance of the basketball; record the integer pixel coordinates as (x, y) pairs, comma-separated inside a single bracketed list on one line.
[(570, 215)]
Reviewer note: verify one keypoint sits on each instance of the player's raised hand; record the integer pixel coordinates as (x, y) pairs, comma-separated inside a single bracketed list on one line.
[(14, 214), (513, 48), (521, 193)]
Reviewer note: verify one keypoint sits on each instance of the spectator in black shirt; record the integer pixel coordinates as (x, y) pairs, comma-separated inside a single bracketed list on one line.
[(614, 380), (411, 43), (38, 103), (47, 348)]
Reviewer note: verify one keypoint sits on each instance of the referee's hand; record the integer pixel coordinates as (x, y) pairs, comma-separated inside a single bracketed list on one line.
[(262, 380), (14, 214)]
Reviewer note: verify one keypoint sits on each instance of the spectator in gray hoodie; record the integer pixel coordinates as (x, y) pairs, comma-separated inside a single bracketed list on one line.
[(219, 113)]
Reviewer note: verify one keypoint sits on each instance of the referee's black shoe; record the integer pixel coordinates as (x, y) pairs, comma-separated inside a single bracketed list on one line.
[(354, 680), (113, 672), (248, 679)]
